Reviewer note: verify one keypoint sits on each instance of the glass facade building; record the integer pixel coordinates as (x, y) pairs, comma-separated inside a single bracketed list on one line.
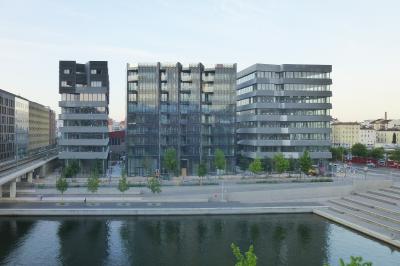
[(188, 108), (22, 126), (284, 109), (84, 90), (7, 126)]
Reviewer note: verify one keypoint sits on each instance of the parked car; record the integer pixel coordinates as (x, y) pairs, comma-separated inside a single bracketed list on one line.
[(371, 165)]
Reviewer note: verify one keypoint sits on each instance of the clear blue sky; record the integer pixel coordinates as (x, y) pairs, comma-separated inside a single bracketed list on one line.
[(361, 39)]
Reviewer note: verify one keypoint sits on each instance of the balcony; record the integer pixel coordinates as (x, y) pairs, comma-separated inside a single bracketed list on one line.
[(84, 129), (208, 78), (133, 77), (82, 155), (82, 104), (83, 116), (186, 78), (83, 142)]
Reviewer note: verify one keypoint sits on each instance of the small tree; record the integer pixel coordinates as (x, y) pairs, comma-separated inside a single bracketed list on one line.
[(201, 171), (154, 184), (377, 153), (93, 182), (281, 164), (305, 162), (395, 155), (248, 259), (354, 261), (170, 160), (255, 166), (338, 153), (62, 185), (359, 150), (123, 184), (219, 160)]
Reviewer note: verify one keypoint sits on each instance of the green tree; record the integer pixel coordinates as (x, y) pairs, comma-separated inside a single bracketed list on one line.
[(305, 162), (154, 184), (201, 171), (123, 184), (281, 164), (248, 259), (395, 155), (255, 166), (62, 185), (74, 167), (170, 160), (219, 160), (355, 261), (338, 153), (93, 182), (377, 153), (359, 150)]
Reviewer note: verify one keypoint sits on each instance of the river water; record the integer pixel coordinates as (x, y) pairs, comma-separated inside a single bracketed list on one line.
[(286, 239)]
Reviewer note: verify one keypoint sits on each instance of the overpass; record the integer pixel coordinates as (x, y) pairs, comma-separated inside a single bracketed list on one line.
[(23, 171)]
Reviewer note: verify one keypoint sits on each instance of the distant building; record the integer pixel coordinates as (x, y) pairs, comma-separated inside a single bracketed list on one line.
[(24, 127), (117, 145), (367, 136), (190, 109), (389, 138), (345, 134), (84, 90)]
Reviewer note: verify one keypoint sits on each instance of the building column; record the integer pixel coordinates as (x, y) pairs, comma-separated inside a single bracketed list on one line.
[(30, 177), (13, 189), (1, 191)]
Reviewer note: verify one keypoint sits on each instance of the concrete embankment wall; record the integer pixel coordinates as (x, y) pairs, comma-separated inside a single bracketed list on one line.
[(155, 211)]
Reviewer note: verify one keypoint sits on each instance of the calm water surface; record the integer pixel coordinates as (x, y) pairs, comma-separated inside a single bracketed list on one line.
[(296, 239)]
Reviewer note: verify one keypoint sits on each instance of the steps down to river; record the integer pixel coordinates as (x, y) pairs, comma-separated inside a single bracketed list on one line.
[(375, 213)]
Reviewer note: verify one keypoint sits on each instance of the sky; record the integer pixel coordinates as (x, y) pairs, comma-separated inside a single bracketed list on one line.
[(360, 39)]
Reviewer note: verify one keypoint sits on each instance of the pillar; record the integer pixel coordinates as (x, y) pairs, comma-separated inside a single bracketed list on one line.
[(1, 191), (13, 189), (30, 177), (18, 179)]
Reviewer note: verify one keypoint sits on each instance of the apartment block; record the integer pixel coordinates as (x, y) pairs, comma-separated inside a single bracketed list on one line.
[(7, 126), (284, 109), (84, 90), (190, 109), (345, 134)]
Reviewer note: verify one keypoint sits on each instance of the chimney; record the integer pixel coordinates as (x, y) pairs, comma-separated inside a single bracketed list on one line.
[(385, 115)]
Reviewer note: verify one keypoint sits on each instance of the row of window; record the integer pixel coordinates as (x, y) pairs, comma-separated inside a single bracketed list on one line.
[(83, 97), (66, 84), (287, 74), (83, 110), (280, 124), (93, 71), (282, 112), (304, 136)]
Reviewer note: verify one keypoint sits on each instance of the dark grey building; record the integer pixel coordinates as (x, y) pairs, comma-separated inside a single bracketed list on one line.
[(84, 90), (284, 109), (188, 108)]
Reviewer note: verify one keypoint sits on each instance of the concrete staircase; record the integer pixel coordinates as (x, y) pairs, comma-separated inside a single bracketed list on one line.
[(375, 213)]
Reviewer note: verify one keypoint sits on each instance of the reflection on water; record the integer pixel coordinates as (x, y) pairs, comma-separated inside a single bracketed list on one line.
[(182, 240)]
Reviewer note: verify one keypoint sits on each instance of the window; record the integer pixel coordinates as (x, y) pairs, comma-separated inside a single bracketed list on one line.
[(95, 71), (64, 83), (95, 84), (67, 71)]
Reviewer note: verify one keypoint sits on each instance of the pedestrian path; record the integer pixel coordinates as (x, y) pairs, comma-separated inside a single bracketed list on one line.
[(375, 213)]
